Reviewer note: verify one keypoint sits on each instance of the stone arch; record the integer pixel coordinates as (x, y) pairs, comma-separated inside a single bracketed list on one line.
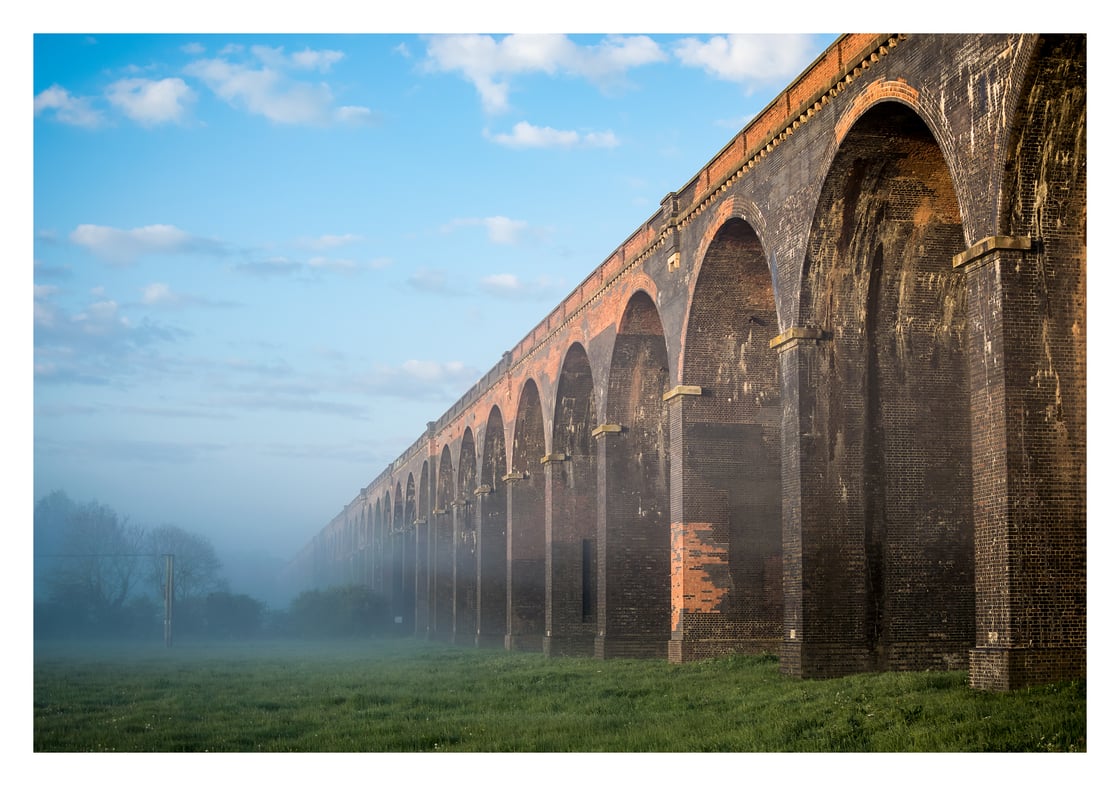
[(892, 584), (493, 513), (443, 563), (727, 545), (527, 519), (466, 544), (634, 569), (572, 575)]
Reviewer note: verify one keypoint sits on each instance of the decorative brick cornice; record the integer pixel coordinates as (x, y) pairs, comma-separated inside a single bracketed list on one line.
[(988, 245)]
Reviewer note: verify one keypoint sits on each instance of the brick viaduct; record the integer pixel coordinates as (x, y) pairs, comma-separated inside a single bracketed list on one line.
[(828, 402)]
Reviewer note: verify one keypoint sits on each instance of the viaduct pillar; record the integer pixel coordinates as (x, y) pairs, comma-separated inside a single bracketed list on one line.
[(1030, 532)]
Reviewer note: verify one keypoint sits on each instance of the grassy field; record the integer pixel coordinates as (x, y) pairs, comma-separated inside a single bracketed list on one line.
[(415, 696)]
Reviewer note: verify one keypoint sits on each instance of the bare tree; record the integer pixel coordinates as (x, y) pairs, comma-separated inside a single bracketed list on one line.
[(197, 567), (99, 564)]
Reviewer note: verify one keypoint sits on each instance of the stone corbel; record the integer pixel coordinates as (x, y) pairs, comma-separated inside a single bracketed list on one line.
[(981, 252), (791, 337)]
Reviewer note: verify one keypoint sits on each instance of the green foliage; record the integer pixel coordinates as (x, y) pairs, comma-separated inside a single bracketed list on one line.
[(352, 610), (97, 575), (233, 616), (405, 695)]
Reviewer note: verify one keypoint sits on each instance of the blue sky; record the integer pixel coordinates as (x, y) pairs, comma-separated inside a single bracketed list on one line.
[(263, 262)]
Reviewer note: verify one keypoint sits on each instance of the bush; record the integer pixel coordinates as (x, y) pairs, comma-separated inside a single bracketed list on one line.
[(233, 616), (351, 610)]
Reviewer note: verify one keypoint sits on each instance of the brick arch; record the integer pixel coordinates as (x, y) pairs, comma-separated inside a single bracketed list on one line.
[(408, 550), (957, 161), (424, 552), (890, 399), (572, 575), (466, 543), (378, 547), (491, 498), (443, 561), (526, 615), (634, 547), (397, 598), (727, 576)]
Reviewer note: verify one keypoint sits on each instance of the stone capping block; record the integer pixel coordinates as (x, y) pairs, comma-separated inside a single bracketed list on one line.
[(988, 245), (550, 458), (796, 333), (606, 428), (683, 390), (515, 475), (483, 489)]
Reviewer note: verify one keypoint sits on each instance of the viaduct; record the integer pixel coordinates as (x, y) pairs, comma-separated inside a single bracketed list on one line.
[(828, 402)]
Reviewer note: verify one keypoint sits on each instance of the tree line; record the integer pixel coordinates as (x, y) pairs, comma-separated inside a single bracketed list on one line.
[(96, 574)]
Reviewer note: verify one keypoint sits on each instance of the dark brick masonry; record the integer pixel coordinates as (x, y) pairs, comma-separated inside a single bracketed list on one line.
[(829, 401)]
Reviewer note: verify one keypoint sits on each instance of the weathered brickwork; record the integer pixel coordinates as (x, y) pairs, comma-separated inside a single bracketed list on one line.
[(828, 402)]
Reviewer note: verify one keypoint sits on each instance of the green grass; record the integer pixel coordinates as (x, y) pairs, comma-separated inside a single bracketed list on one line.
[(416, 696)]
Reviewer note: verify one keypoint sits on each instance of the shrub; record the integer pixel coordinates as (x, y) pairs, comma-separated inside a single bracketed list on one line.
[(351, 610)]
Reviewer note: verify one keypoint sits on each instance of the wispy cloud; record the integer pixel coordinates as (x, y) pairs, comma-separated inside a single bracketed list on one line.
[(508, 285), (418, 379), (747, 58), (151, 102), (95, 345), (500, 230), (264, 87), (125, 246), (160, 295), (145, 452), (67, 108), (490, 64), (270, 267), (526, 135), (429, 280), (328, 241)]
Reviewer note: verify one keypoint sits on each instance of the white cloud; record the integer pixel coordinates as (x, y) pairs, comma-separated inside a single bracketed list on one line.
[(355, 115), (418, 379), (268, 90), (156, 294), (508, 285), (747, 58), (330, 241), (124, 246), (264, 91), (67, 108), (526, 135), (499, 229), (151, 102), (489, 63), (320, 60), (427, 280), (193, 48), (341, 265), (273, 266)]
